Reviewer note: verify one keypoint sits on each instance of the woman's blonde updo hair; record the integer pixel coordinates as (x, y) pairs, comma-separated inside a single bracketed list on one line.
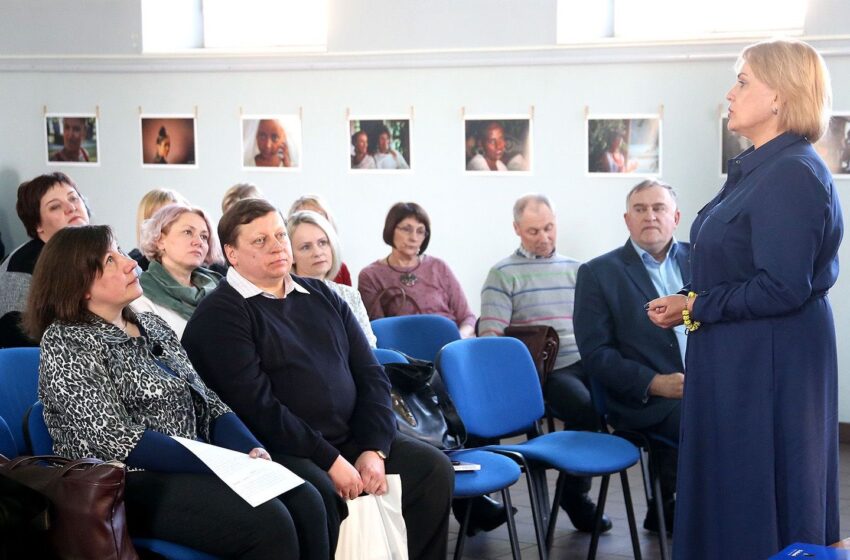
[(152, 201), (799, 75)]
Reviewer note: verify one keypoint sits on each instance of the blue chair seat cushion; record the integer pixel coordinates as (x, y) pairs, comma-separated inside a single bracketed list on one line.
[(587, 453), (497, 472)]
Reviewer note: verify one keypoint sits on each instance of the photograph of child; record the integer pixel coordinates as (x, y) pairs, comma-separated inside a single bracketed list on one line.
[(168, 140), (72, 139), (497, 144), (271, 142)]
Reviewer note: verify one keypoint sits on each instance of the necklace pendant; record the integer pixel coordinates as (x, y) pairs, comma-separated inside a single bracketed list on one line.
[(408, 279)]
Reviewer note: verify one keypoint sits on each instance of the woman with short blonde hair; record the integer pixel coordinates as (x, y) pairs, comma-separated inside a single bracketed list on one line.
[(798, 74), (180, 243), (319, 205), (316, 254), (152, 201), (758, 453)]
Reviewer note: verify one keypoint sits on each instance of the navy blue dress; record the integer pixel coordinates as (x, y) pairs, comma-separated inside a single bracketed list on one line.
[(758, 460)]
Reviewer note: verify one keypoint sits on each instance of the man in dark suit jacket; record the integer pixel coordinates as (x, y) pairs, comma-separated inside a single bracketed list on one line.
[(641, 366)]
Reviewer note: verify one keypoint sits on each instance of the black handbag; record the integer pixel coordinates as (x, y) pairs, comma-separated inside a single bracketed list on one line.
[(422, 406)]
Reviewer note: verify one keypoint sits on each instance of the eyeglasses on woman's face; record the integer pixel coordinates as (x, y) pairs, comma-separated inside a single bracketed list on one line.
[(410, 230)]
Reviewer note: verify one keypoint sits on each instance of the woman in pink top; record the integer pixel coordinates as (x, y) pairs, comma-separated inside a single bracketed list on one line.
[(407, 282)]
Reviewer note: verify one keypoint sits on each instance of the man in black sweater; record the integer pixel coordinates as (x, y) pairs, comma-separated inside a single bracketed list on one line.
[(287, 355)]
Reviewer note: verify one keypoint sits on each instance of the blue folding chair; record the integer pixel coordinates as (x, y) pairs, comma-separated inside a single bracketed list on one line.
[(497, 474), (18, 389), (649, 444), (495, 388), (42, 444), (418, 336)]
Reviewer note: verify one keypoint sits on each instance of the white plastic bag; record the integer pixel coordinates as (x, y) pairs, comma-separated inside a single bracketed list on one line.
[(374, 528)]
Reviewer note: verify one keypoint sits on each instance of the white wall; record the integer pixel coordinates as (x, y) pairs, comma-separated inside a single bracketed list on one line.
[(470, 214)]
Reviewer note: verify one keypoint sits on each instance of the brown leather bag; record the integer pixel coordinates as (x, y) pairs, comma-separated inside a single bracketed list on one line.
[(542, 342), (87, 518)]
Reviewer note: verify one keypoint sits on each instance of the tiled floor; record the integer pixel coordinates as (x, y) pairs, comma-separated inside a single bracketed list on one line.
[(614, 545)]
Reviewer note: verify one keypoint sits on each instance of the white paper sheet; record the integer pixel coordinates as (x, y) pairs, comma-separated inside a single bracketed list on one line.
[(255, 480)]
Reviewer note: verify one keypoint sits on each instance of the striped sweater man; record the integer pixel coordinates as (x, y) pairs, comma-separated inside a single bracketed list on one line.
[(527, 290)]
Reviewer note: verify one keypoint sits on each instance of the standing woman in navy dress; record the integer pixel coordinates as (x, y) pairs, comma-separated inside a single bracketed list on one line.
[(758, 457)]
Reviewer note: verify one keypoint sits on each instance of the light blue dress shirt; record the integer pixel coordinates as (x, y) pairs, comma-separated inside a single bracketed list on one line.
[(667, 279)]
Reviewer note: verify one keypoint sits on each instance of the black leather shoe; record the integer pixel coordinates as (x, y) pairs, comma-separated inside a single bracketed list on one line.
[(582, 513), (650, 522), (486, 515)]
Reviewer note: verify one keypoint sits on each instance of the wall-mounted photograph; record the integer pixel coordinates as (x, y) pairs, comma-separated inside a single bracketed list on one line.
[(380, 143), (168, 140), (834, 147), (731, 144), (71, 139), (624, 145), (271, 142), (500, 143)]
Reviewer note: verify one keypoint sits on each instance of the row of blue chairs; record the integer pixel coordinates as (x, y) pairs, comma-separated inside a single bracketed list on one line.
[(495, 388), (494, 384), (26, 433)]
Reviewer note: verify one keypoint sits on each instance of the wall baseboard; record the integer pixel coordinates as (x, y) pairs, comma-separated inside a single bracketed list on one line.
[(844, 432)]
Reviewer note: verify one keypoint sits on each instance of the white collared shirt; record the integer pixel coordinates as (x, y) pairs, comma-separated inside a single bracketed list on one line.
[(248, 289)]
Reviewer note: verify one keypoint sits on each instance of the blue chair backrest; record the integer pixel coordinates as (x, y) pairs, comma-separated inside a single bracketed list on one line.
[(419, 336), (493, 384), (39, 438), (7, 442), (385, 356), (18, 388)]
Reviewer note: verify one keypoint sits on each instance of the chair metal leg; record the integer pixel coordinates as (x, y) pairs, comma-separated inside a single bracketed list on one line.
[(534, 498), (600, 511), (659, 512), (512, 536), (542, 486), (630, 514), (461, 535), (537, 505), (556, 504), (647, 476)]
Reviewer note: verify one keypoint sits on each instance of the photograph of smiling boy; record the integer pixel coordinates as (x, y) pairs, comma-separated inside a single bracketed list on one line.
[(168, 140), (497, 144), (271, 142), (72, 139)]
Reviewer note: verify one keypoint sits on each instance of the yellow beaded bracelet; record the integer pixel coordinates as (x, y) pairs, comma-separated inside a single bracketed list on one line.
[(690, 325)]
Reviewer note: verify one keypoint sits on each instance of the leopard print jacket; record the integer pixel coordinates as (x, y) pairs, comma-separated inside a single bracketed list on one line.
[(101, 388)]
